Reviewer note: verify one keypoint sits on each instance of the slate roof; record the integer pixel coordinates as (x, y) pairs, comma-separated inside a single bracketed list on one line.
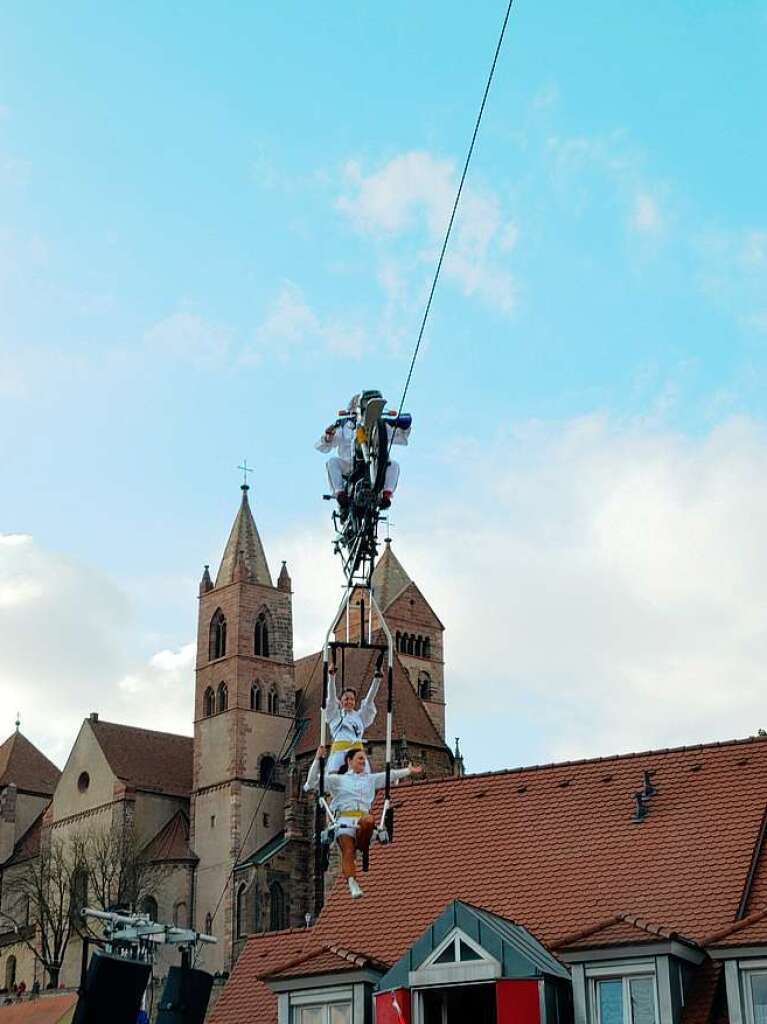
[(160, 762), (410, 717), (518, 952), (562, 853), (171, 843), (27, 767), (244, 538)]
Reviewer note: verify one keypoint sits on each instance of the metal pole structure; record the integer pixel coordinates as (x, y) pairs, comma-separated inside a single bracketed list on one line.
[(319, 879), (362, 622), (386, 813)]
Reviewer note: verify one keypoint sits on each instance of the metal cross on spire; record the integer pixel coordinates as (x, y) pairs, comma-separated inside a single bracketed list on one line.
[(245, 470)]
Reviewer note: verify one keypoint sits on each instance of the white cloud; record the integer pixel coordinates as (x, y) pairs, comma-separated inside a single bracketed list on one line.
[(69, 645), (415, 192), (190, 338), (604, 586), (646, 217), (292, 327)]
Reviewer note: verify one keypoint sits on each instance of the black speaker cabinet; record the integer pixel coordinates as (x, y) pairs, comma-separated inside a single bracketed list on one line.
[(185, 996), (112, 991)]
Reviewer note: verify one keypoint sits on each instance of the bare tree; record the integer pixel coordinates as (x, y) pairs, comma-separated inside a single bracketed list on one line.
[(43, 892), (119, 875), (102, 868)]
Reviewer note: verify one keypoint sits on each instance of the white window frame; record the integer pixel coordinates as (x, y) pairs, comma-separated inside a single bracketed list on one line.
[(456, 936), (458, 972), (746, 975), (625, 973), (325, 997)]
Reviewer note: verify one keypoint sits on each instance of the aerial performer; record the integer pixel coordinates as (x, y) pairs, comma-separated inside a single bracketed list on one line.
[(363, 408), (352, 790), (346, 722)]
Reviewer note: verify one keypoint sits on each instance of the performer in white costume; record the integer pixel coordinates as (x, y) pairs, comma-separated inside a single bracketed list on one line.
[(353, 791), (342, 439), (346, 722)]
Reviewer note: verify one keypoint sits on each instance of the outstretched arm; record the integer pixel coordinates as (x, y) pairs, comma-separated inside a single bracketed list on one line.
[(328, 441), (399, 431), (368, 706), (313, 778), (379, 778)]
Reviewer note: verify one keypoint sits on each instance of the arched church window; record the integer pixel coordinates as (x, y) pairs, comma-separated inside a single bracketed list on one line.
[(217, 635), (277, 908), (424, 686), (222, 697), (272, 703), (411, 644), (418, 646), (426, 647), (266, 769), (239, 911), (209, 702), (180, 916), (10, 972), (261, 645), (255, 697), (149, 907)]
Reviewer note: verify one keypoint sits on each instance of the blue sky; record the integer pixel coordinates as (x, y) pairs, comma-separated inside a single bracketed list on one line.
[(215, 225)]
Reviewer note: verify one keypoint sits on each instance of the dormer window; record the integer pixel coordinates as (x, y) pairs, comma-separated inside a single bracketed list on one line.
[(623, 998), (754, 984)]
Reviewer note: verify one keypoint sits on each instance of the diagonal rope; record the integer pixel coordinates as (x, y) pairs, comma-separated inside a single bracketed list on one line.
[(449, 230)]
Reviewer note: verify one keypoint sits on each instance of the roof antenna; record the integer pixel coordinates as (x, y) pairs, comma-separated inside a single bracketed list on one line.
[(640, 813), (648, 789)]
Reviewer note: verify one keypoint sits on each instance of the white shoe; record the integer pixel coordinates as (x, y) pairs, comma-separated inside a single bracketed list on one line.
[(354, 889)]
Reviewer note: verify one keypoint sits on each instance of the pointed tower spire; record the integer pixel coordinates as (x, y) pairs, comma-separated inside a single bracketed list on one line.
[(206, 583), (389, 578), (283, 580), (244, 539)]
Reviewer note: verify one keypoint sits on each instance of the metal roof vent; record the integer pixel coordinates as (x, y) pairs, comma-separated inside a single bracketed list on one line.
[(643, 797)]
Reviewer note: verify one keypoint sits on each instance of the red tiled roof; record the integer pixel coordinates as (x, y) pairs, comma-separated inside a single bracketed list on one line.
[(246, 999), (553, 848), (47, 1009), (617, 930), (172, 841), (324, 960), (145, 759), (410, 717), (750, 930), (27, 767)]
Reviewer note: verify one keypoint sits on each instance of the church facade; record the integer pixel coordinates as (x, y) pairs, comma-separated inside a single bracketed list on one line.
[(219, 821)]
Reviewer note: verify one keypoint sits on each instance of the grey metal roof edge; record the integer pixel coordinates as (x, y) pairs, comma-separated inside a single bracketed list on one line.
[(632, 951)]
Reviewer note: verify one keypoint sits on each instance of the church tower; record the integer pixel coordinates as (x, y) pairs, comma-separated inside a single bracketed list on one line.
[(418, 632), (244, 709)]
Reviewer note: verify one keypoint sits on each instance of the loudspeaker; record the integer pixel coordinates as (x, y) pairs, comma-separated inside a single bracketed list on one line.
[(112, 991), (185, 996)]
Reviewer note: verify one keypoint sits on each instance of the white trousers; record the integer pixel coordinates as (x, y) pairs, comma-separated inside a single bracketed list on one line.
[(338, 468)]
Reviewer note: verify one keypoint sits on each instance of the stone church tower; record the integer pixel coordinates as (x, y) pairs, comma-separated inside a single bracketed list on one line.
[(244, 710)]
